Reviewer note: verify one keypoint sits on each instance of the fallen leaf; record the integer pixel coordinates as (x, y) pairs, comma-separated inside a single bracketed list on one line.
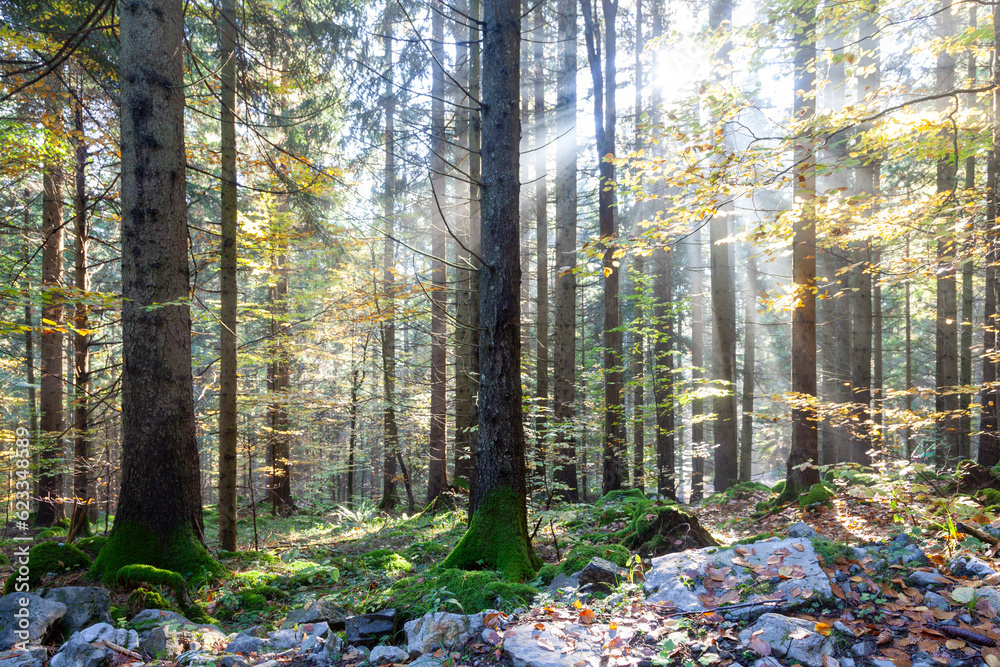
[(954, 644), (830, 661), (838, 591), (586, 616), (963, 594), (801, 633), (546, 644), (759, 646), (798, 547), (823, 629)]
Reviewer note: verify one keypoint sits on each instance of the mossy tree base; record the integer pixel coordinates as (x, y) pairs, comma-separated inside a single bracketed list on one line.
[(497, 539), (136, 544), (974, 478), (657, 530)]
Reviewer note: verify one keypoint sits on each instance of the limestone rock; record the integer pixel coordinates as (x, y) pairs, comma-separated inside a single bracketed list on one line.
[(245, 644), (370, 629), (85, 605), (380, 655), (434, 631), (282, 640), (804, 530), (602, 575), (968, 566), (926, 579), (313, 612), (78, 652), (794, 638), (168, 634), (680, 578), (525, 651), (31, 623), (34, 656), (428, 660)]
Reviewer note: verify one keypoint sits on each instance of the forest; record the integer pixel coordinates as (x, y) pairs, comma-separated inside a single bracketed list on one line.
[(314, 310)]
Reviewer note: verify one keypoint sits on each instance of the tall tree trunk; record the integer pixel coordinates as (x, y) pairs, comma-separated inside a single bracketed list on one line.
[(965, 345), (437, 468), (663, 373), (50, 477), (475, 245), (615, 471), (497, 537), (542, 247), (694, 259), (279, 441), (804, 453), (861, 337), (907, 431), (29, 331), (81, 320), (162, 511), (564, 339), (638, 282), (228, 287), (946, 329), (390, 430), (989, 440), (749, 353), (357, 377), (723, 305)]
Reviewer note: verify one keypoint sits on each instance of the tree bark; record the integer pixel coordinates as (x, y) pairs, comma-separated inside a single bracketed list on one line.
[(564, 330), (437, 468), (81, 321), (749, 353), (50, 476), (694, 259), (228, 286), (542, 249), (497, 537), (804, 453), (663, 373), (162, 512)]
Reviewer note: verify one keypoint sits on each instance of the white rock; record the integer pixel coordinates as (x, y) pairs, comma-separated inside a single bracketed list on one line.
[(441, 630), (795, 638), (380, 655)]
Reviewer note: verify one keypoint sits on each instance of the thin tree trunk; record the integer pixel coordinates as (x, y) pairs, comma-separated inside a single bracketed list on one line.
[(29, 333), (542, 249), (907, 316), (390, 430), (475, 245), (638, 282), (749, 353), (663, 373), (50, 477), (965, 345), (946, 329), (694, 257), (437, 468), (804, 453), (81, 427), (564, 339), (228, 286)]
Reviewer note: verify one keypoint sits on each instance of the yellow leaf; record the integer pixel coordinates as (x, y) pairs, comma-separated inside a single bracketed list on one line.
[(823, 629), (607, 272)]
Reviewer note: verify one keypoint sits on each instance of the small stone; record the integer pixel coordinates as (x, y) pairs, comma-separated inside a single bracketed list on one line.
[(245, 644), (924, 579), (381, 655), (847, 662), (878, 662), (854, 569), (282, 640), (370, 629), (840, 626), (233, 661), (841, 576), (965, 618), (314, 612), (968, 566), (936, 601), (861, 649), (602, 575), (804, 530)]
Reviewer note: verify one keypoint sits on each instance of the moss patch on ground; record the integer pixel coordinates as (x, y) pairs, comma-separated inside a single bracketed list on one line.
[(49, 557), (459, 591), (580, 555)]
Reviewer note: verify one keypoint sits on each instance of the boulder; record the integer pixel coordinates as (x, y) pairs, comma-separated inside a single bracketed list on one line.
[(381, 655), (739, 575), (282, 640), (245, 644), (29, 619), (804, 530), (33, 656), (441, 630), (315, 611), (168, 634), (904, 548), (602, 575), (929, 578), (428, 660), (85, 605), (370, 629), (233, 661), (78, 652), (969, 567), (794, 638), (525, 650)]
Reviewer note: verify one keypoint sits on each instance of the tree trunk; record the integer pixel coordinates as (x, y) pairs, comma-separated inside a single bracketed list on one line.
[(615, 471), (965, 345), (29, 334), (50, 476), (81, 321), (542, 249), (497, 537), (475, 190), (564, 338), (749, 352), (694, 258), (279, 442), (804, 453), (162, 511), (638, 282), (437, 467), (663, 373), (861, 338), (989, 440), (390, 431), (228, 287), (946, 329)]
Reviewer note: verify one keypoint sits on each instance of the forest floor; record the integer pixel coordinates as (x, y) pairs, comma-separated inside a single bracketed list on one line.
[(363, 561)]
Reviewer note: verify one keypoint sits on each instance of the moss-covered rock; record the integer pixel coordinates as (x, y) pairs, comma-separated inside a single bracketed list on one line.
[(474, 591), (143, 598), (580, 555), (659, 529), (740, 491), (818, 494), (386, 561), (92, 545), (988, 497), (497, 539), (49, 557), (779, 487), (624, 495)]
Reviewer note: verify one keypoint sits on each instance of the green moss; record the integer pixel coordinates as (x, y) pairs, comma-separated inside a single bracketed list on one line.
[(131, 575), (740, 491), (830, 551), (988, 497), (251, 601), (385, 560), (246, 558), (62, 523), (497, 539), (143, 598), (759, 537), (55, 531), (580, 555), (134, 543), (818, 494), (92, 545), (474, 591), (779, 487), (549, 572), (46, 557), (625, 495)]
